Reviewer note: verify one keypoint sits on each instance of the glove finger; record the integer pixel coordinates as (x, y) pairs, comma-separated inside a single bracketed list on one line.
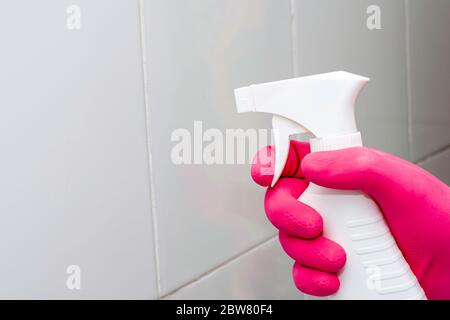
[(264, 160), (315, 282), (288, 214), (320, 253)]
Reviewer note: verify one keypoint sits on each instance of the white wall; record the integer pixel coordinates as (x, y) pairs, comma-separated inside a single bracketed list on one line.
[(74, 186), (197, 52), (86, 118), (429, 69)]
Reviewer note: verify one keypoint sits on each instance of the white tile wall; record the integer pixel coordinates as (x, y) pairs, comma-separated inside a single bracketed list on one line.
[(429, 75), (333, 35), (439, 165), (197, 53), (262, 273), (73, 165)]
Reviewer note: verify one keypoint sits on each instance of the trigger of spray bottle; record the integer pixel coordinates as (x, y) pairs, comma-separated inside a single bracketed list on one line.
[(322, 105), (283, 129)]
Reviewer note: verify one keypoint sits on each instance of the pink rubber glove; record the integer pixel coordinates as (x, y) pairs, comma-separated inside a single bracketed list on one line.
[(416, 206)]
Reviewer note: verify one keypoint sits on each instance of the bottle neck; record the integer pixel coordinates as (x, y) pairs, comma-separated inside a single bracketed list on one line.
[(336, 142)]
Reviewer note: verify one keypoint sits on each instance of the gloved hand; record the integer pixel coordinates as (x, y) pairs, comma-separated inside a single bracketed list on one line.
[(415, 204)]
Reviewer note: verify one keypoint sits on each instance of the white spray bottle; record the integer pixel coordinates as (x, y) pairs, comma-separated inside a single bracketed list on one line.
[(323, 105)]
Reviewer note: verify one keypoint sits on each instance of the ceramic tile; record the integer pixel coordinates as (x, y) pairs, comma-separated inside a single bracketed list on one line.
[(262, 273), (430, 76), (438, 165), (75, 188), (197, 53)]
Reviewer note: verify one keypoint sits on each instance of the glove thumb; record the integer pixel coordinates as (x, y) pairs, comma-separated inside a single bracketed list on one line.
[(357, 168), (376, 173)]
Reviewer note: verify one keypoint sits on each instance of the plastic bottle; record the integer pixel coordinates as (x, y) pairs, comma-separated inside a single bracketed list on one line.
[(323, 105)]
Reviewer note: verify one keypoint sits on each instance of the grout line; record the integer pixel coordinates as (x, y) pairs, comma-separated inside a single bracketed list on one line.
[(433, 155), (220, 266), (408, 80), (149, 153), (294, 44)]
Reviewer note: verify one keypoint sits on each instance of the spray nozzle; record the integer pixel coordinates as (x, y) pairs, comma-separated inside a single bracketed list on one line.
[(321, 104)]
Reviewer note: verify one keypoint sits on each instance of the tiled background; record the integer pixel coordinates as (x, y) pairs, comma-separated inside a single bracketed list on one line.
[(86, 118), (225, 44)]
